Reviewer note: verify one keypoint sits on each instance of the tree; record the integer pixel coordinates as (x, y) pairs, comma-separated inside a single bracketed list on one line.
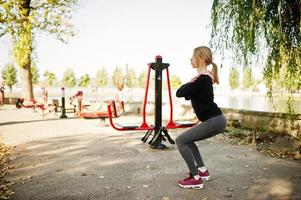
[(248, 80), (84, 81), (102, 77), (23, 19), (118, 79), (233, 78), (130, 78), (9, 75), (175, 81), (35, 74), (69, 79), (142, 79), (252, 27), (50, 78)]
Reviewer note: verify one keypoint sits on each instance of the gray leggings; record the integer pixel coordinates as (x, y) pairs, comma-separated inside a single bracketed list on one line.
[(202, 131)]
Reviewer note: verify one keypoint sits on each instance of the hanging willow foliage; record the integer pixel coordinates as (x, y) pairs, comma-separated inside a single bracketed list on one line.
[(254, 28)]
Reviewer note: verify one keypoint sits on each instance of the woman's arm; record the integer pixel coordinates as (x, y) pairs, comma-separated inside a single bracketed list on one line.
[(197, 85), (187, 90)]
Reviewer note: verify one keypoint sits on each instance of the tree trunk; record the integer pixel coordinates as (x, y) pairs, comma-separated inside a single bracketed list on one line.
[(27, 88)]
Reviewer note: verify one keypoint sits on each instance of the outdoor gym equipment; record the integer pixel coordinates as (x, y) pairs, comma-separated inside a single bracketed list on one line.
[(158, 137), (84, 112), (78, 96), (33, 104), (117, 112), (44, 106), (29, 103)]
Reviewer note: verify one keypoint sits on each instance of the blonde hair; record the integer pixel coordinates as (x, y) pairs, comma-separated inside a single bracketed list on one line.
[(206, 54)]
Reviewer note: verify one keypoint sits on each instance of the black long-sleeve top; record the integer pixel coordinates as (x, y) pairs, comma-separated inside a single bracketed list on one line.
[(200, 92)]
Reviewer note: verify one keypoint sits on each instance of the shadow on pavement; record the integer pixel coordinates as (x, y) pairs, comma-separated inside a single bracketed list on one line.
[(32, 121), (120, 166)]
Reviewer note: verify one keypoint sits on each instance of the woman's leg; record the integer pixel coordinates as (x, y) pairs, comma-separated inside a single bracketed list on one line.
[(196, 155), (204, 130), (187, 139)]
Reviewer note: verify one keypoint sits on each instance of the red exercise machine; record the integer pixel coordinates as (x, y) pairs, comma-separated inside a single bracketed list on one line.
[(29, 103), (117, 108), (33, 104), (116, 112), (158, 137)]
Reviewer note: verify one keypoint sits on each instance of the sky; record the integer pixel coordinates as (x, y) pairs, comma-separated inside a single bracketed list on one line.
[(121, 33)]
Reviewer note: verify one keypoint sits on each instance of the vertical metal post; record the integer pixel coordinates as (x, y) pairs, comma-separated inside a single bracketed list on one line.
[(63, 115), (158, 66), (156, 141), (158, 99)]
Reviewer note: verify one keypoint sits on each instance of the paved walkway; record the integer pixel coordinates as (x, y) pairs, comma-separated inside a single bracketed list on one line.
[(79, 159)]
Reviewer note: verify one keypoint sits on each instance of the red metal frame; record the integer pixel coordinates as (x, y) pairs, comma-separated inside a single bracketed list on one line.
[(95, 115), (127, 127), (33, 105), (144, 126)]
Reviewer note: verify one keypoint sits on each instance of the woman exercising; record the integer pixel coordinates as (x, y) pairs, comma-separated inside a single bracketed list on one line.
[(200, 91)]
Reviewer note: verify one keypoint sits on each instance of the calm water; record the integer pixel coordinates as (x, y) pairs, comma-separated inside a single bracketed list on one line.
[(239, 101), (255, 103)]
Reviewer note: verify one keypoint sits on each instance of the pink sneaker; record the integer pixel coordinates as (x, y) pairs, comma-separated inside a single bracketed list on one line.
[(190, 182), (204, 175)]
